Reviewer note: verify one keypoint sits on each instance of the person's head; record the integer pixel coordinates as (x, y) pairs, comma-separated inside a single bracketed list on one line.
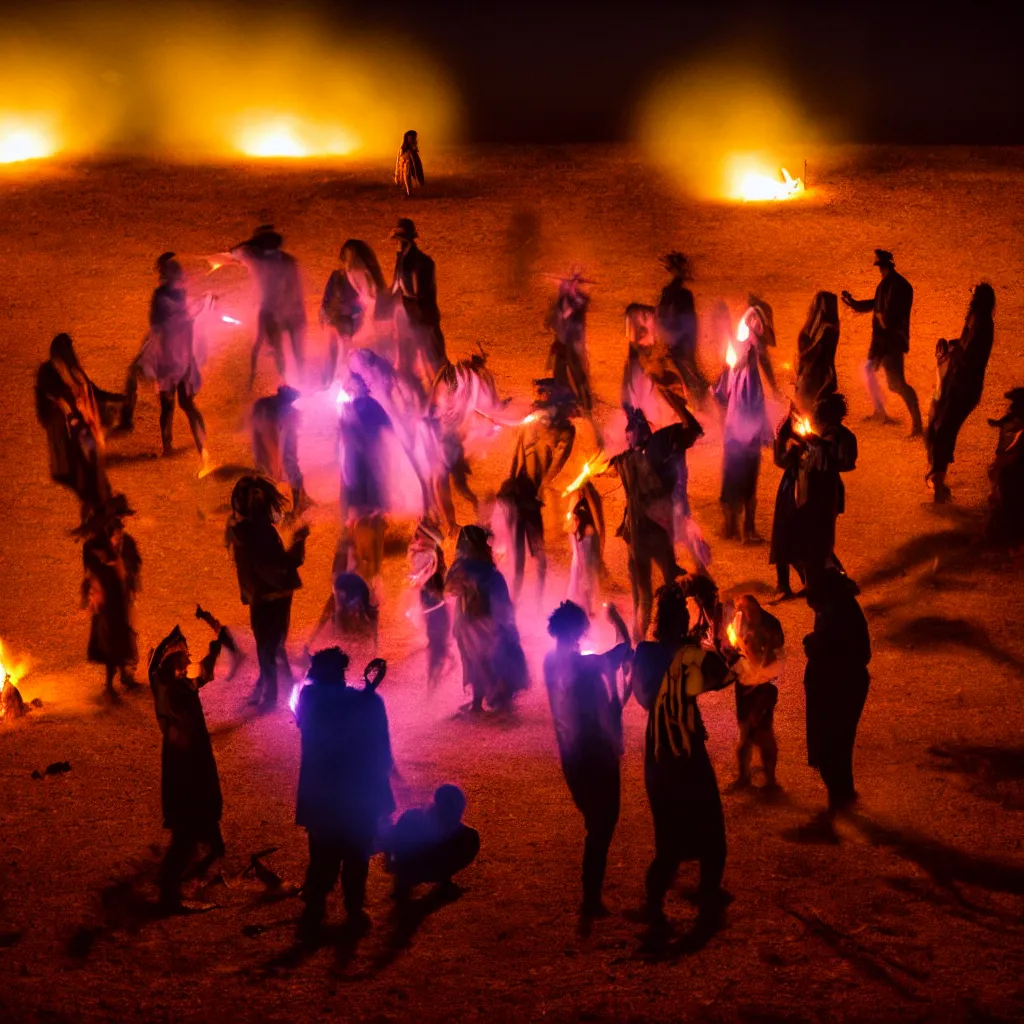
[(830, 586), (255, 497), (410, 139), (983, 299), (885, 261), (824, 310), (830, 411), (568, 624), (583, 514), (62, 349), (449, 805), (672, 616), (169, 269), (639, 324), (171, 659), (404, 232), (266, 239), (638, 430), (328, 666), (474, 544), (678, 265), (287, 396)]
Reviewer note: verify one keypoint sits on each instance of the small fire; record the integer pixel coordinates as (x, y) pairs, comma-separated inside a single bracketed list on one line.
[(293, 699), (803, 426), (742, 331), (11, 703), (531, 418), (730, 356), (732, 632), (292, 139), (594, 466), (762, 187), (24, 140)]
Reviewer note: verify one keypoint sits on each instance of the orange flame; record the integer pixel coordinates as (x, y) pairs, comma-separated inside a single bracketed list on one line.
[(732, 633), (594, 466), (9, 671), (762, 187), (803, 426), (22, 139)]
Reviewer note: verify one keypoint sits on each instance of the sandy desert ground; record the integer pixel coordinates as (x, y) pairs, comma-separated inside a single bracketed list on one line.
[(917, 914)]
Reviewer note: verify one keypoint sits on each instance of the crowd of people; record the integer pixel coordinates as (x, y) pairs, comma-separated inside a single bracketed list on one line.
[(400, 397)]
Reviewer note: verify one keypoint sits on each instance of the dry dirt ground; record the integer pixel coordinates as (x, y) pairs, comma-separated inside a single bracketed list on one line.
[(917, 914)]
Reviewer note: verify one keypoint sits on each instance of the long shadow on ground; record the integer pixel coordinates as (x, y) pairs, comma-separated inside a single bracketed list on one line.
[(939, 631)]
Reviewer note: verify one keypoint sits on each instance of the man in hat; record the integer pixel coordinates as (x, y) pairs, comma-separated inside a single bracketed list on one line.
[(418, 319), (189, 786), (344, 786), (281, 306), (275, 441), (676, 318), (890, 338)]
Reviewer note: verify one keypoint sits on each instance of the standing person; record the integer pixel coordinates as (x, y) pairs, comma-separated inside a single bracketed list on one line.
[(112, 566), (677, 324), (960, 378), (835, 683), (760, 321), (586, 535), (417, 317), (282, 309), (745, 433), (189, 786), (72, 411), (1004, 521), (409, 166), (587, 711), (816, 362), (275, 426), (268, 575), (522, 508), (668, 675), (493, 662), (426, 560), (890, 338), (650, 379), (168, 357), (567, 359), (344, 786)]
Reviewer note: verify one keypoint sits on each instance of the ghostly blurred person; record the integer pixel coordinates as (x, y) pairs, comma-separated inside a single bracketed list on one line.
[(268, 575), (427, 573), (1004, 520), (816, 346), (350, 611), (676, 317), (344, 786), (351, 292), (519, 498), (835, 683), (275, 426), (168, 357), (568, 363), (112, 567), (282, 309), (493, 662), (409, 166), (586, 708), (189, 785), (890, 338), (960, 379), (586, 532), (668, 676), (745, 432), (429, 845), (650, 378), (813, 453), (759, 319), (757, 638), (73, 411), (421, 345)]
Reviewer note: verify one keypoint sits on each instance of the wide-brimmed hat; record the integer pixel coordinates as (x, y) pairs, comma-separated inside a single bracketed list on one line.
[(266, 238), (405, 229), (884, 258)]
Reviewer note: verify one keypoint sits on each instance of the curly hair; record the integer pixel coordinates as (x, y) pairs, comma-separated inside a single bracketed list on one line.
[(568, 622), (672, 618), (328, 665)]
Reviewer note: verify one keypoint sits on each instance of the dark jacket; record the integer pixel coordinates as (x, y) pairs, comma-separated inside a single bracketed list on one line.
[(677, 317), (415, 280), (266, 569), (890, 324)]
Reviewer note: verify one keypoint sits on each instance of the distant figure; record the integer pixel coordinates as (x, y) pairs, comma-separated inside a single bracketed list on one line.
[(817, 344), (745, 432), (168, 357), (428, 845), (960, 378), (282, 308), (493, 662), (586, 707), (352, 289), (890, 338), (408, 166), (421, 345), (427, 565), (73, 412), (668, 675), (1004, 521), (677, 324), (112, 566), (275, 426), (189, 786), (835, 683), (344, 786), (813, 453), (567, 362), (759, 642), (760, 320), (268, 575)]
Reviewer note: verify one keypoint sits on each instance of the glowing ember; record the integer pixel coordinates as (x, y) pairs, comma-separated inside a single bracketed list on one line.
[(11, 703), (594, 466), (24, 140), (732, 632), (730, 356), (803, 426), (761, 187), (742, 331), (532, 418)]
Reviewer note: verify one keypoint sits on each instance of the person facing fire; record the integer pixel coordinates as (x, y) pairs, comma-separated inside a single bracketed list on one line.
[(668, 675), (960, 373), (282, 308), (268, 575), (427, 565), (586, 535), (519, 498), (73, 411), (344, 788), (189, 786), (816, 346), (1004, 520), (275, 423), (586, 707), (409, 166), (890, 338), (677, 324)]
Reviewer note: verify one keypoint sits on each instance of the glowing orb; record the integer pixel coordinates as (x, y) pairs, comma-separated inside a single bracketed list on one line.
[(230, 320), (762, 187), (23, 140), (291, 139), (730, 356)]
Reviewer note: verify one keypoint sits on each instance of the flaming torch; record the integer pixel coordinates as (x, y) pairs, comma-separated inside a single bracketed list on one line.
[(12, 705), (732, 633), (594, 466), (803, 426)]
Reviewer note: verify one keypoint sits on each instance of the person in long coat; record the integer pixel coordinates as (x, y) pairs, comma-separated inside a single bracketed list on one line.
[(813, 452), (73, 411), (189, 786), (668, 676), (650, 378), (409, 166), (960, 379), (1004, 520), (836, 682), (676, 319), (816, 347)]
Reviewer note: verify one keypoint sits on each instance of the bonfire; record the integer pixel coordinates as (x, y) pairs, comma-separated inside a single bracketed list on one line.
[(761, 187), (12, 705)]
